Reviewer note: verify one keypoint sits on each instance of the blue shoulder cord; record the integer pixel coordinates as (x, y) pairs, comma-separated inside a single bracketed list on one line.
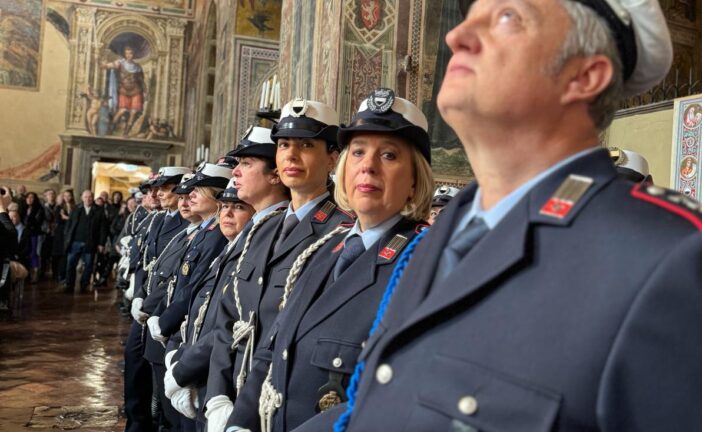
[(343, 421)]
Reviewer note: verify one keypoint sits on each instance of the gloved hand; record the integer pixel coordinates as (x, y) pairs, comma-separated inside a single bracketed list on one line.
[(169, 358), (183, 403), (219, 408), (237, 429), (170, 386), (155, 329), (129, 293), (137, 313)]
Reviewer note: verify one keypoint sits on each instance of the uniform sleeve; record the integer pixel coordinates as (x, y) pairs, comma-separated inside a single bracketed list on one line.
[(221, 371), (653, 375), (322, 421), (193, 362), (245, 412)]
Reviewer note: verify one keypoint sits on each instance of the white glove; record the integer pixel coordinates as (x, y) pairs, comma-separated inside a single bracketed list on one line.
[(137, 313), (170, 386), (183, 403), (169, 358), (155, 329), (219, 408), (129, 293), (237, 429)]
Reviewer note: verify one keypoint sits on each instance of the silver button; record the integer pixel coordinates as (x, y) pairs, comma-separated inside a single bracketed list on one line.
[(383, 374), (337, 362), (468, 405), (260, 280), (655, 190), (285, 354)]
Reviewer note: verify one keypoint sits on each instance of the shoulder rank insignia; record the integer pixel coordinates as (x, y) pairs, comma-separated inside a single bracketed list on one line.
[(670, 200), (185, 269), (393, 246), (213, 226), (323, 214), (566, 196)]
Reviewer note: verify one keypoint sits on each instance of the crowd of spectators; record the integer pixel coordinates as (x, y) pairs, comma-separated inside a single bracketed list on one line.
[(46, 236)]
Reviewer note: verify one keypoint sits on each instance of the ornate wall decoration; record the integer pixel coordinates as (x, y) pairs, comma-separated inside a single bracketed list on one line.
[(327, 43), (22, 25), (286, 40), (257, 63), (686, 156), (369, 20), (176, 8), (259, 18)]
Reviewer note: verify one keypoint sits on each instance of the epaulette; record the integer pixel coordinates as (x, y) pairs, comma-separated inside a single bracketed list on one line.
[(670, 200), (347, 213), (322, 214), (213, 226), (347, 224), (421, 227)]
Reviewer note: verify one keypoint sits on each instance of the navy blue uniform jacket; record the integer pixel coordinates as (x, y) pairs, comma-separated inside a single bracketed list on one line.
[(319, 334), (591, 322), (261, 282)]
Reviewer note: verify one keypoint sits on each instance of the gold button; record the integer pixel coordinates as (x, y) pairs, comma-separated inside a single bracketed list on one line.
[(337, 362), (285, 354), (468, 405), (383, 374), (260, 280)]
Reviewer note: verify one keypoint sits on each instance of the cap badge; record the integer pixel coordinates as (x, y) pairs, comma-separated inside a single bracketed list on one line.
[(567, 195), (298, 107), (201, 166), (393, 246), (381, 100)]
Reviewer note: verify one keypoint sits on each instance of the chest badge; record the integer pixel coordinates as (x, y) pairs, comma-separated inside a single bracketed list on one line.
[(566, 196), (185, 269), (329, 400)]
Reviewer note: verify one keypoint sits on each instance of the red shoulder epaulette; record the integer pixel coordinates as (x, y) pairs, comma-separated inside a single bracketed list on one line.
[(670, 200), (347, 213)]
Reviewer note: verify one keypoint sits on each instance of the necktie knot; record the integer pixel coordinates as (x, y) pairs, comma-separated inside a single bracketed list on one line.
[(353, 248), (459, 246)]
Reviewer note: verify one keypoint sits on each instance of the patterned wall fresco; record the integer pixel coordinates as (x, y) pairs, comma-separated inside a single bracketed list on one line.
[(258, 18), (21, 27), (179, 8), (258, 62)]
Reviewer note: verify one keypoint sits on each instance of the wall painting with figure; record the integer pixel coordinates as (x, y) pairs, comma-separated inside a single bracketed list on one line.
[(687, 136), (21, 28)]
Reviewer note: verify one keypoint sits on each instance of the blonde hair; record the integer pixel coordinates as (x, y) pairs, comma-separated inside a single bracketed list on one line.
[(211, 192), (418, 207)]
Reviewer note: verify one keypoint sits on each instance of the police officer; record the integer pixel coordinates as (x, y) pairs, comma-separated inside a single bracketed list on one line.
[(442, 196), (306, 154), (166, 320), (187, 374), (523, 307), (385, 178), (258, 183)]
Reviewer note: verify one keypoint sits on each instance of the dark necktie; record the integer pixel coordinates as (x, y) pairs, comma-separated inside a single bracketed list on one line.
[(353, 248), (289, 224), (457, 248)]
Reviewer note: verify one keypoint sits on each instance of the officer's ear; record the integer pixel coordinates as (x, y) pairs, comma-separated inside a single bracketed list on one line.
[(274, 177), (585, 78)]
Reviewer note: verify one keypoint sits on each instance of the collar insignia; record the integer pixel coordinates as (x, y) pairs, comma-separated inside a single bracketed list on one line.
[(323, 214), (393, 246), (566, 196)]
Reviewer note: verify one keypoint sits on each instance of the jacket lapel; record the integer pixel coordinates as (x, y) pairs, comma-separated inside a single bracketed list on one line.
[(303, 230), (507, 244)]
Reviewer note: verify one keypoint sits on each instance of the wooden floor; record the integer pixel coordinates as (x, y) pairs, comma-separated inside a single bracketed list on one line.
[(59, 357)]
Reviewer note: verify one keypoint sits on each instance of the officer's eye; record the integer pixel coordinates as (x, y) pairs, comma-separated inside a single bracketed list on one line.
[(357, 152), (507, 16), (389, 155), (307, 144), (282, 144)]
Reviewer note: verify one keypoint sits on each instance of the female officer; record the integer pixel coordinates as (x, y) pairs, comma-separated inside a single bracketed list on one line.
[(166, 319), (186, 377), (385, 178), (306, 154)]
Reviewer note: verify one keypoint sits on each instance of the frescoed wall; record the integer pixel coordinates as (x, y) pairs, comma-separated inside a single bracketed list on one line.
[(258, 18), (21, 25)]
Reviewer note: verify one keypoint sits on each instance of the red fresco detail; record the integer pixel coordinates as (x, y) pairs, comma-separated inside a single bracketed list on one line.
[(370, 13)]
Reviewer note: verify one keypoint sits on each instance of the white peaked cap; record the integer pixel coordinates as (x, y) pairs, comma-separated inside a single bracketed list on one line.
[(406, 109), (311, 109), (171, 171), (214, 170), (446, 190), (260, 135)]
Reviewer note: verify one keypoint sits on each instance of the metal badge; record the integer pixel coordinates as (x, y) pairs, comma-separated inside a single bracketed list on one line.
[(185, 269), (298, 107), (566, 196), (329, 400), (394, 245), (381, 100)]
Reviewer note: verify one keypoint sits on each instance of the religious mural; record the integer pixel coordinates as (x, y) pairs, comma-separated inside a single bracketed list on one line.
[(687, 138), (258, 18), (21, 26)]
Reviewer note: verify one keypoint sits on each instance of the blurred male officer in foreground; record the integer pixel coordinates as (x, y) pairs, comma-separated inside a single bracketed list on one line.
[(551, 295)]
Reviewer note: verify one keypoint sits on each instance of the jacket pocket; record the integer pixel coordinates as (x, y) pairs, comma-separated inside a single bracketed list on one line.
[(279, 277), (246, 271), (473, 397), (336, 355)]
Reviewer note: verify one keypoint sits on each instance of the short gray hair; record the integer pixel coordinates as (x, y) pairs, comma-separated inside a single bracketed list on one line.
[(590, 35)]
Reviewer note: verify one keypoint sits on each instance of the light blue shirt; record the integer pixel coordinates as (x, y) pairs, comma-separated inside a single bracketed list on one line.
[(493, 216), (372, 235), (171, 213), (259, 215), (307, 207), (192, 227), (206, 222)]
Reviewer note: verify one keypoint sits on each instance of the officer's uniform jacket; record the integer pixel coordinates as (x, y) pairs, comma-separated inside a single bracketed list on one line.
[(137, 243), (203, 249), (317, 338), (261, 282), (162, 232), (589, 322)]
